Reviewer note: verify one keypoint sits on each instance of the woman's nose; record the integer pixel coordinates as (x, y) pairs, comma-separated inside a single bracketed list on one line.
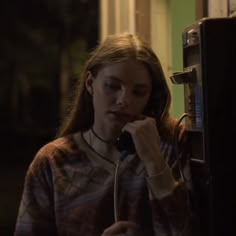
[(124, 98)]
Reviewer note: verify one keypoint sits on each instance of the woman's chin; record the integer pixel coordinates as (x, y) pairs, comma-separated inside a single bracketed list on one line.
[(115, 124)]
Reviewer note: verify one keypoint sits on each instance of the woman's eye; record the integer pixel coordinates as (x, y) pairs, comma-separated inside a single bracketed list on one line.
[(140, 93), (113, 86)]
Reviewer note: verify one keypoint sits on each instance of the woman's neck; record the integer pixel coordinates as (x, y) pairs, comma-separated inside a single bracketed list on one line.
[(106, 141), (104, 147), (105, 134)]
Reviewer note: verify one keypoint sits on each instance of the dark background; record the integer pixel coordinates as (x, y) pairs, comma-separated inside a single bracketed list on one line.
[(43, 44)]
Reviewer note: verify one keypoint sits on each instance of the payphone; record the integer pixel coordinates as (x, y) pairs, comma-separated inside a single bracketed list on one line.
[(209, 59)]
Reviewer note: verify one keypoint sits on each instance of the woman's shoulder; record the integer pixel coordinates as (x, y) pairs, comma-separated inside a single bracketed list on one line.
[(64, 144), (58, 156), (58, 150)]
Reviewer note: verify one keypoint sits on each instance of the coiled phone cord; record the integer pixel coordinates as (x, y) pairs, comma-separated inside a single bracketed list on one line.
[(116, 183)]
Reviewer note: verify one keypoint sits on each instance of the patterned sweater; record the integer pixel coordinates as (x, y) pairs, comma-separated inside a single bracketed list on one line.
[(68, 191)]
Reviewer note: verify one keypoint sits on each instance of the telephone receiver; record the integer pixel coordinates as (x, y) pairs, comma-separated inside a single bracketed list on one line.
[(125, 143)]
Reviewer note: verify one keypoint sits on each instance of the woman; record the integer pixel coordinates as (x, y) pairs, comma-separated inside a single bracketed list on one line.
[(69, 186)]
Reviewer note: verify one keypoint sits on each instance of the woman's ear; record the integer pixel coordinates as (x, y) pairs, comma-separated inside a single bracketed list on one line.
[(89, 82)]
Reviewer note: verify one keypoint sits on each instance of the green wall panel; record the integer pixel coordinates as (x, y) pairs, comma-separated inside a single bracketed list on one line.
[(182, 14)]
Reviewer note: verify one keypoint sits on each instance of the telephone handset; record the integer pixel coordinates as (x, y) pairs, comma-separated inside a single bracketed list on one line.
[(125, 143)]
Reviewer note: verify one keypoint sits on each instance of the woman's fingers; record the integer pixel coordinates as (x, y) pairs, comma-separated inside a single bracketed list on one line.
[(145, 135)]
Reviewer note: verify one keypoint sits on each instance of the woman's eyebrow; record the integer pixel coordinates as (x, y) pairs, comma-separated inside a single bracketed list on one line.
[(137, 85), (113, 77), (142, 85)]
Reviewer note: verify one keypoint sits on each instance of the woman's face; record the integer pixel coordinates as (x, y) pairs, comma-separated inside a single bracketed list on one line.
[(120, 93)]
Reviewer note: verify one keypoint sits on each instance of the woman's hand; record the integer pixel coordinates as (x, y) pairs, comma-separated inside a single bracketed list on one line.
[(122, 228), (147, 144)]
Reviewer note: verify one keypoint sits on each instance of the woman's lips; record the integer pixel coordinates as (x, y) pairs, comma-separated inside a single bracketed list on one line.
[(121, 116)]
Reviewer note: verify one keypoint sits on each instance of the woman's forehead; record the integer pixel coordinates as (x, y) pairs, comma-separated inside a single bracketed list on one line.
[(126, 68)]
